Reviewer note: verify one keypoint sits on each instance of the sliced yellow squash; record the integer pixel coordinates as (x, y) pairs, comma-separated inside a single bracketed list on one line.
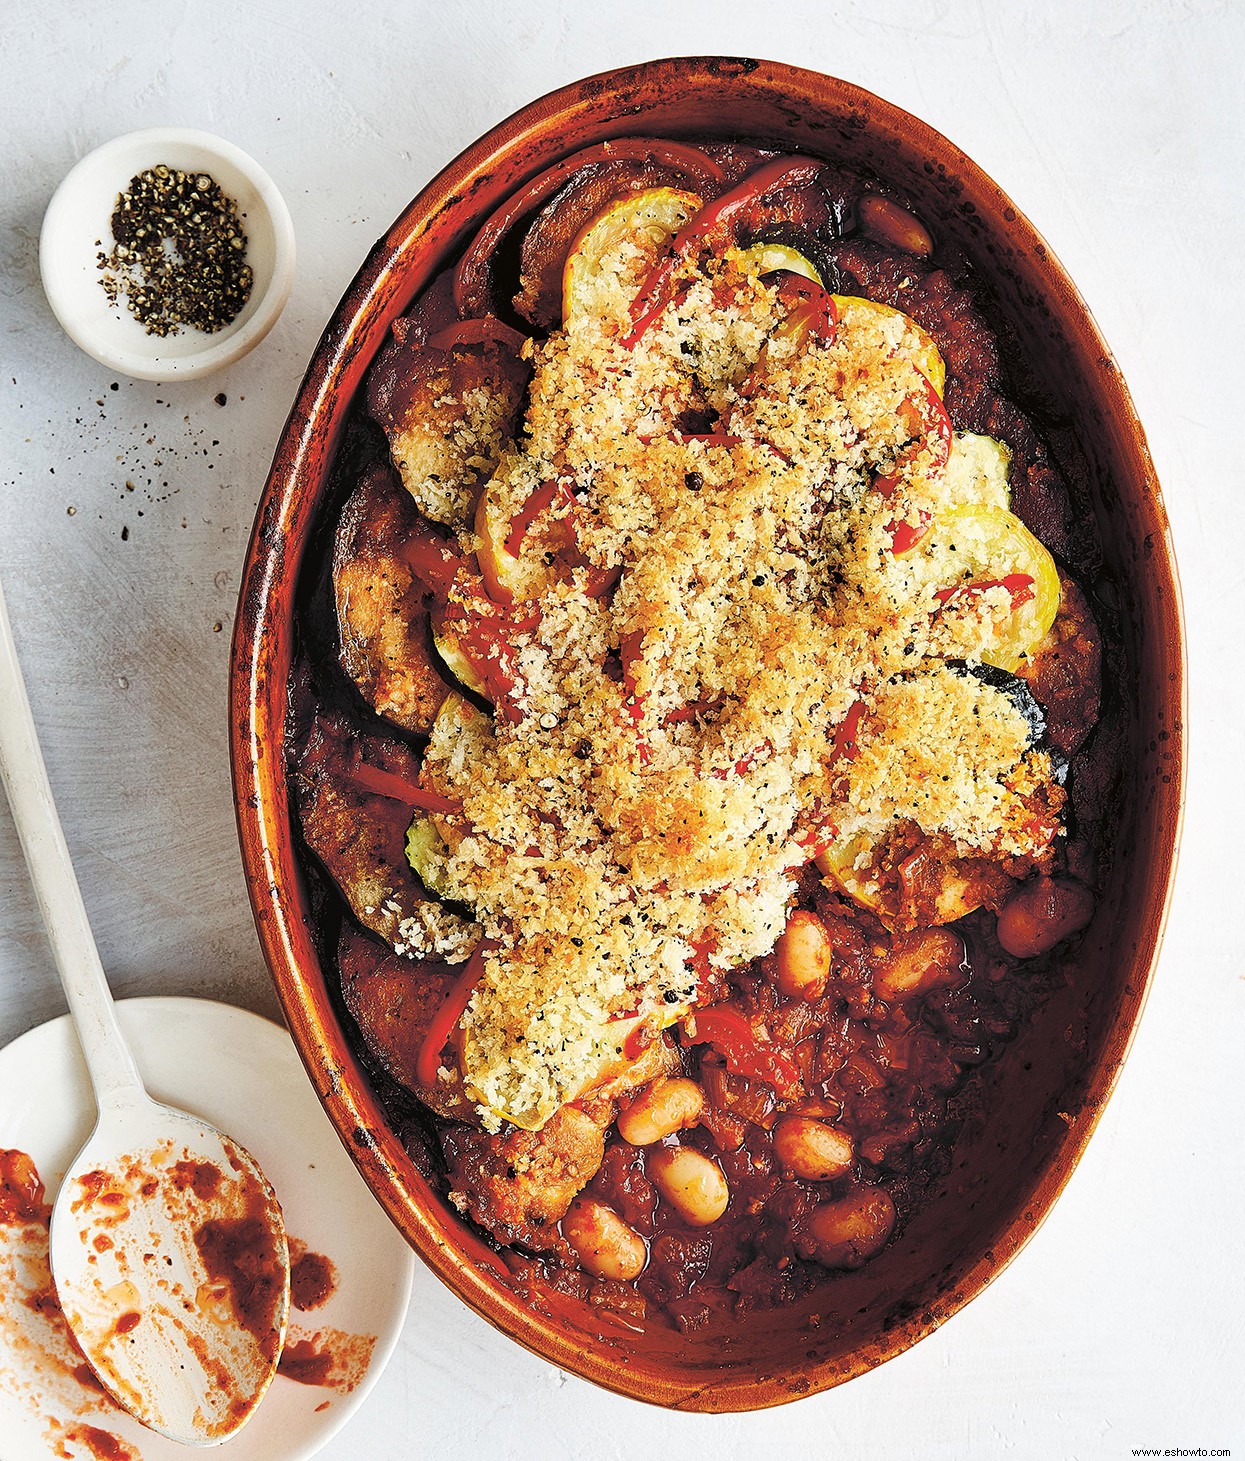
[(506, 576), (615, 252), (919, 344), (838, 862), (970, 548), (448, 647), (769, 258), (977, 472), (426, 851)]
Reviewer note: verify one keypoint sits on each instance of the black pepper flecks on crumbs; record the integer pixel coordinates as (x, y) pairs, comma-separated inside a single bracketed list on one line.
[(179, 253)]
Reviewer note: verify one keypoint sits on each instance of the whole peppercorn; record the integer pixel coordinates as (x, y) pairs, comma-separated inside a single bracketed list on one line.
[(179, 253)]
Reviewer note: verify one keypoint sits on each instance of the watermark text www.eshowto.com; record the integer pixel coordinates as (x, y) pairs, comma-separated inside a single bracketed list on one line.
[(1181, 1451)]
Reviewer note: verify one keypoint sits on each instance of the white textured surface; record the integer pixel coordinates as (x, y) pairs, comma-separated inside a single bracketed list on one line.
[(1118, 128)]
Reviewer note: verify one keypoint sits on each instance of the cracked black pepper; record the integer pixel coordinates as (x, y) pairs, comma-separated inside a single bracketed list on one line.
[(179, 253)]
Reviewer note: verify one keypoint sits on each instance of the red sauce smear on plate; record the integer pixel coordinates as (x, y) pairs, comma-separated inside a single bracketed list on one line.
[(327, 1357), (21, 1191), (313, 1278), (303, 1362), (86, 1377), (103, 1445)]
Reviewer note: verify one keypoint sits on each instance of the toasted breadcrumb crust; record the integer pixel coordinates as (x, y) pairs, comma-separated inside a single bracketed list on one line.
[(448, 437), (767, 676)]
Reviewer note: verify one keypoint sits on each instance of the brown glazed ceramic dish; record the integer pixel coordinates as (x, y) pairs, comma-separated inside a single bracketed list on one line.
[(1046, 1092)]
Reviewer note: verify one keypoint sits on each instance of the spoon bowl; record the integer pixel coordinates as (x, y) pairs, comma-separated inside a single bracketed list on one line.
[(170, 1262)]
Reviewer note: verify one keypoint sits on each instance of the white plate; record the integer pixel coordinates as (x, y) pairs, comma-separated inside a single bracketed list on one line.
[(242, 1073)]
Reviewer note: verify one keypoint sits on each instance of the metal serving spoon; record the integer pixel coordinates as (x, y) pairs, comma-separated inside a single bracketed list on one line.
[(168, 1249)]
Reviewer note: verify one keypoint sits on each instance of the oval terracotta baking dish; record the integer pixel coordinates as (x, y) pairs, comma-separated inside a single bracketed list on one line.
[(1048, 1089)]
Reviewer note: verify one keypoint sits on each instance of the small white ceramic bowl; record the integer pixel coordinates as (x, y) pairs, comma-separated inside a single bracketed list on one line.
[(76, 229)]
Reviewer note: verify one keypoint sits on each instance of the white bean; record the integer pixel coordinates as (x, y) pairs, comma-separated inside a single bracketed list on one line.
[(847, 1233), (604, 1244), (812, 1149), (919, 963), (690, 1182), (660, 1110), (891, 224), (1041, 913), (802, 957)]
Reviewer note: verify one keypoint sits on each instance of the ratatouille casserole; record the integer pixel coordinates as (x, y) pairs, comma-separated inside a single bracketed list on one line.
[(692, 720)]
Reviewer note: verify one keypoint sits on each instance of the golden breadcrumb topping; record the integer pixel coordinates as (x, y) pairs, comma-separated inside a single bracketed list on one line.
[(767, 673)]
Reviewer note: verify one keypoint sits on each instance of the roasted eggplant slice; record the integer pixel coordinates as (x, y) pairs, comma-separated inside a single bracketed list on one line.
[(448, 404), (393, 1001), (381, 618), (473, 288), (360, 837)]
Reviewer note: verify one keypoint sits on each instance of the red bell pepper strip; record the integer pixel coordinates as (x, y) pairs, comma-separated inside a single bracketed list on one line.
[(709, 438), (433, 560), (543, 497), (905, 536), (844, 747), (713, 221), (446, 1019), (926, 416), (642, 323), (633, 701), (637, 1041), (730, 1034), (814, 314), (399, 789), (680, 713), (815, 841), (477, 332), (599, 581), (1019, 585), (486, 633), (695, 164), (745, 763)]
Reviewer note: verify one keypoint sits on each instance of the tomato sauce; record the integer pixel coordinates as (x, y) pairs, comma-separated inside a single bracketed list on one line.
[(241, 1253), (101, 1444), (313, 1278), (21, 1191), (328, 1358)]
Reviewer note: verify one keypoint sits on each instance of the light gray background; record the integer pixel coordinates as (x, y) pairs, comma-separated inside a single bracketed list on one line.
[(1118, 129)]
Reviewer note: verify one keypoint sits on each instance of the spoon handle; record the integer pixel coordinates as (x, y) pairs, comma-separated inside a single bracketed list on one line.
[(107, 1055)]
